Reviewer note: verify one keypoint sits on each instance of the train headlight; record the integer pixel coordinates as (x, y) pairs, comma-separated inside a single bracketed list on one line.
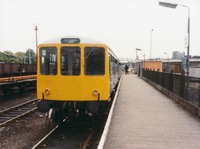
[(95, 92), (47, 91)]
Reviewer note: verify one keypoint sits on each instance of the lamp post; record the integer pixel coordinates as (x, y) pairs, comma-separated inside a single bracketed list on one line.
[(151, 43), (136, 63), (168, 61), (137, 52), (36, 29), (143, 55), (171, 5), (144, 59)]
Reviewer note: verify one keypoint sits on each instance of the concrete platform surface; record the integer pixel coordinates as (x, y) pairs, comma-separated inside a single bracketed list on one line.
[(144, 118)]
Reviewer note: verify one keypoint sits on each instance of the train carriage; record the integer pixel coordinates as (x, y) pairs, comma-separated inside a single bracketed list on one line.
[(75, 74)]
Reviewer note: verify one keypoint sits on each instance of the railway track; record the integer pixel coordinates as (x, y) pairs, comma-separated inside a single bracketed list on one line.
[(18, 111), (67, 134), (73, 135), (83, 134), (78, 134), (40, 142)]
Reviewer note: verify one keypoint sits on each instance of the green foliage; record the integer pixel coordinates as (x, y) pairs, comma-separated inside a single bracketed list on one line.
[(8, 57), (32, 55), (18, 57)]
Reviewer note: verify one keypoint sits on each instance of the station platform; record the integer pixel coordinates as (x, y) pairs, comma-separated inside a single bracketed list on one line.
[(144, 118)]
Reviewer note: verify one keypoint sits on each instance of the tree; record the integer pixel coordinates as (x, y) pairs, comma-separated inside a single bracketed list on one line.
[(32, 56), (20, 57), (2, 56), (7, 57)]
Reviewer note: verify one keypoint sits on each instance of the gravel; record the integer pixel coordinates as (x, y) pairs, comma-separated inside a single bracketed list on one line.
[(26, 132)]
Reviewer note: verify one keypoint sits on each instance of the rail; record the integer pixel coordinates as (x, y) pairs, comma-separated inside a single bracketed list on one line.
[(13, 113), (45, 137)]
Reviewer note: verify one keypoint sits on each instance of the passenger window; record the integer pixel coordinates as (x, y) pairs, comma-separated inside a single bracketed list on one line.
[(70, 61), (48, 61), (94, 60)]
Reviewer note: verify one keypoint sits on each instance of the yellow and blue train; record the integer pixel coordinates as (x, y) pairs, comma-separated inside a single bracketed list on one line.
[(75, 76)]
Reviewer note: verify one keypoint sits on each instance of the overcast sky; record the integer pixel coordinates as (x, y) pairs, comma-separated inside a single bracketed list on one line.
[(123, 25)]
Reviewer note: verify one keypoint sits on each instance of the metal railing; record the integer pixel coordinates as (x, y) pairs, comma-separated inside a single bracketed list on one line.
[(176, 84)]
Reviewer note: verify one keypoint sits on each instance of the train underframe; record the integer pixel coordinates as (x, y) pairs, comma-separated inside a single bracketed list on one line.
[(21, 87), (59, 110)]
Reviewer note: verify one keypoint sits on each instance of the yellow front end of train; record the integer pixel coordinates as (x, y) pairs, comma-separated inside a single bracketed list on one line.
[(73, 72)]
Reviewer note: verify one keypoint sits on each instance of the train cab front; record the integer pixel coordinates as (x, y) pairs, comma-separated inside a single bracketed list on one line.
[(72, 77)]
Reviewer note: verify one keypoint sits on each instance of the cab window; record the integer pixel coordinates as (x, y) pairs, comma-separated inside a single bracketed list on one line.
[(94, 60), (70, 61), (48, 60)]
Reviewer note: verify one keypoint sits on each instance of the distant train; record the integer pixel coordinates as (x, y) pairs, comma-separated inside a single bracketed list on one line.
[(75, 76), (15, 69)]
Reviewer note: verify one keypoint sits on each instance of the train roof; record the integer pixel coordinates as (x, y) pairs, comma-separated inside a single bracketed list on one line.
[(72, 40), (76, 40)]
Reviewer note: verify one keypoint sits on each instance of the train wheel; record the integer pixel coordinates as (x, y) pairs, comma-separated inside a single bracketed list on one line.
[(57, 116)]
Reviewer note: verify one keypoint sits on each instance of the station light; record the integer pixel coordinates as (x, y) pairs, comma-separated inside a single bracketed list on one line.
[(170, 5)]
